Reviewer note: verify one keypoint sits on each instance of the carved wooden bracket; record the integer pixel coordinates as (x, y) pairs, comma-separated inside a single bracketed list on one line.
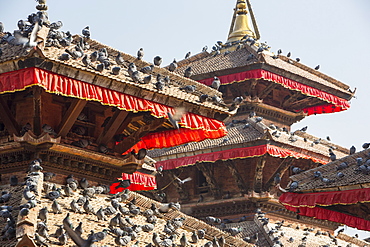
[(238, 178), (261, 161), (112, 127), (132, 139), (8, 119), (207, 170), (70, 116), (284, 165)]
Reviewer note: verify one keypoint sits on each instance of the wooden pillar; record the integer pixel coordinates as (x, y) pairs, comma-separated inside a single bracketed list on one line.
[(37, 91)]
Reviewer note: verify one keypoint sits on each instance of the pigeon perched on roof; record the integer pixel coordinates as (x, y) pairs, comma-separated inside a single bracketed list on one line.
[(216, 83), (140, 53), (86, 32), (173, 66), (188, 72), (317, 67), (157, 60), (352, 150), (1, 27), (187, 55)]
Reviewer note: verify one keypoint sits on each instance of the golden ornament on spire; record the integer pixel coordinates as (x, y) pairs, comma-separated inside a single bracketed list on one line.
[(240, 23), (42, 5)]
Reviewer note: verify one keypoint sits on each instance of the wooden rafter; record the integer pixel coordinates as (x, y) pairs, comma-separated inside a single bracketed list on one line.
[(238, 178), (284, 165), (290, 100), (207, 170), (70, 116), (258, 177), (132, 139), (306, 102), (267, 90), (8, 119), (112, 127)]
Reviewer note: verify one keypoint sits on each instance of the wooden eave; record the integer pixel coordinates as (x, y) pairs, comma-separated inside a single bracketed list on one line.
[(342, 93)]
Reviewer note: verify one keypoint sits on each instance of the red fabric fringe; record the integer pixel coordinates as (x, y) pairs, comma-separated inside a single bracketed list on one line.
[(237, 153), (325, 198), (139, 181), (326, 214), (194, 127), (336, 104)]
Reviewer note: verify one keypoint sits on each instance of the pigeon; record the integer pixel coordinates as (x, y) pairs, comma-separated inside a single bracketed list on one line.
[(100, 67), (277, 178), (176, 117), (119, 59), (183, 240), (27, 194), (13, 180), (28, 42), (75, 207), (173, 66), (123, 183), (187, 55), (79, 241), (184, 180), (40, 241), (55, 194), (188, 72), (79, 229), (43, 214), (216, 83), (84, 183), (48, 176), (212, 220), (165, 208), (100, 214), (188, 88), (298, 59), (147, 69), (140, 53), (317, 174), (352, 150), (24, 212), (1, 27), (317, 67), (147, 79), (57, 209), (293, 186), (203, 98), (159, 85), (333, 157), (135, 76), (296, 170), (157, 61), (340, 174), (116, 70), (342, 166), (86, 32)]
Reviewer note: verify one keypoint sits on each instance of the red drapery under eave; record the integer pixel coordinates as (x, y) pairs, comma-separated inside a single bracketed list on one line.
[(326, 214), (325, 198), (309, 205), (335, 104), (139, 181), (194, 127), (237, 153)]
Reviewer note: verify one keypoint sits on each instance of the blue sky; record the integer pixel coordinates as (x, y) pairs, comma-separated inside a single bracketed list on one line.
[(332, 33)]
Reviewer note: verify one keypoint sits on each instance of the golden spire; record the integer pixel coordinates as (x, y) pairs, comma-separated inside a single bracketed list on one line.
[(240, 23), (42, 5)]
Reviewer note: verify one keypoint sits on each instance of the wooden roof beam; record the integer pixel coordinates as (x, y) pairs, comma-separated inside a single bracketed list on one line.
[(70, 116), (207, 170), (306, 102), (112, 127), (290, 100), (258, 177), (267, 90)]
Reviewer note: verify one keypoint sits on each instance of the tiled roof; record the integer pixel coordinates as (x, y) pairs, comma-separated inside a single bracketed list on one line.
[(352, 176), (90, 222), (210, 65), (239, 136), (53, 52)]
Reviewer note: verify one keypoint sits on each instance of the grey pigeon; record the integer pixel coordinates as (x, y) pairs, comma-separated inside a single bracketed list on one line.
[(187, 55), (173, 66), (189, 88), (88, 207), (100, 214), (188, 72), (119, 59), (63, 238), (59, 231), (317, 67), (352, 150), (140, 53), (43, 214), (147, 69), (203, 98), (48, 176), (157, 60), (40, 241), (24, 212), (79, 229), (216, 83), (84, 183), (86, 32), (116, 70), (57, 209), (147, 79), (1, 27), (75, 207)]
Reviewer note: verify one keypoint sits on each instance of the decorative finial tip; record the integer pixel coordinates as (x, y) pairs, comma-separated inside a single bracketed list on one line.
[(241, 4), (42, 5)]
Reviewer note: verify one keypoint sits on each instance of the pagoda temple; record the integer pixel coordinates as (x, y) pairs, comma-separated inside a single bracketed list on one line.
[(244, 171)]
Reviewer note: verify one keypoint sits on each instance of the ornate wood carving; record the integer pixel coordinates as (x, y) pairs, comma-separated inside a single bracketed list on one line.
[(207, 170), (284, 165), (252, 87), (184, 194), (70, 116), (238, 178), (135, 137), (37, 91), (6, 116), (267, 90), (112, 127), (261, 161)]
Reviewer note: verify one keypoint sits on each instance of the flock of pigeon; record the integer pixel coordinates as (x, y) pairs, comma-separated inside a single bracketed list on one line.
[(117, 216)]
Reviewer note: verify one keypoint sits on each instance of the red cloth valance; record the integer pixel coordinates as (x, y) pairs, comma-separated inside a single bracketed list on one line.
[(326, 214), (139, 181), (236, 153), (194, 127), (325, 198), (335, 103)]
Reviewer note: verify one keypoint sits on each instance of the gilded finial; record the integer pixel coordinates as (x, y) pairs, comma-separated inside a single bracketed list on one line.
[(240, 25), (42, 5)]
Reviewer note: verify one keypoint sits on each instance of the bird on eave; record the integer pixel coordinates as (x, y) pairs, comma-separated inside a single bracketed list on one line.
[(140, 53)]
